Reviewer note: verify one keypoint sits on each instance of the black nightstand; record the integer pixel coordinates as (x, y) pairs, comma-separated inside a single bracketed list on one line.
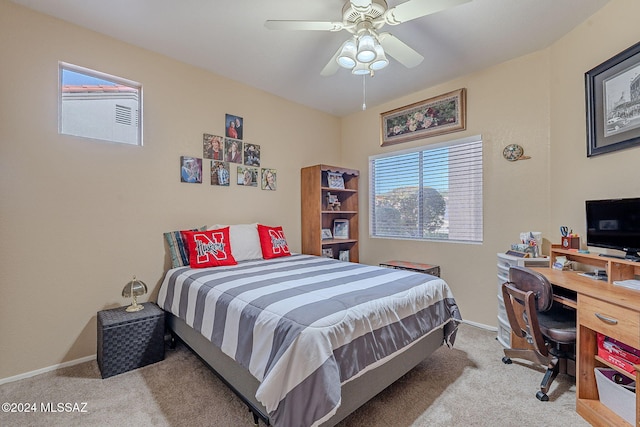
[(128, 341)]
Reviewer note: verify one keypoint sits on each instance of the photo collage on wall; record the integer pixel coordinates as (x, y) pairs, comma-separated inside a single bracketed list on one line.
[(229, 154)]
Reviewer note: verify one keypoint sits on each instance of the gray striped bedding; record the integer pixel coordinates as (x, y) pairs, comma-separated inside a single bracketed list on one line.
[(303, 325)]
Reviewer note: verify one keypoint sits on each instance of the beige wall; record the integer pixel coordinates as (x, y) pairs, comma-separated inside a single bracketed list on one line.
[(78, 218), (536, 101), (575, 177)]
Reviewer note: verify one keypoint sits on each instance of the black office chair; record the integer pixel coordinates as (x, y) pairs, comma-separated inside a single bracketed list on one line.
[(550, 329)]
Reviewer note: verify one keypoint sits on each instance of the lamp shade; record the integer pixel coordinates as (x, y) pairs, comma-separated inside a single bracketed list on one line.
[(381, 60), (366, 49), (361, 69), (133, 290), (347, 57)]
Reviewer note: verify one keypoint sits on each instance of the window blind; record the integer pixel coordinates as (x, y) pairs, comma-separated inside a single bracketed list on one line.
[(428, 193)]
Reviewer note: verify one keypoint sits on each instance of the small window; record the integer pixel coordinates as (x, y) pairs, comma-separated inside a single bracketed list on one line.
[(428, 193), (99, 106)]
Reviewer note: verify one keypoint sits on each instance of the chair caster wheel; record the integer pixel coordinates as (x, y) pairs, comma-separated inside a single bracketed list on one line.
[(506, 360), (542, 397)]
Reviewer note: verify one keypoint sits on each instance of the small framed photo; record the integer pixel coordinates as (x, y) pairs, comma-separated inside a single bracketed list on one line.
[(326, 234), (327, 252), (234, 150), (251, 154), (269, 179), (335, 180), (343, 255), (212, 147), (247, 176), (220, 174), (191, 169), (340, 228), (234, 126)]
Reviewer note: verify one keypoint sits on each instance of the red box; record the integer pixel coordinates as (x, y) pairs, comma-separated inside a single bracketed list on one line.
[(618, 354)]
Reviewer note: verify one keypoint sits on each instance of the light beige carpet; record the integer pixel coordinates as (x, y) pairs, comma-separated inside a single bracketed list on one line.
[(464, 386)]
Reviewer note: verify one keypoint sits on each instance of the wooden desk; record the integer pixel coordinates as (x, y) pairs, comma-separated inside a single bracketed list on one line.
[(605, 308)]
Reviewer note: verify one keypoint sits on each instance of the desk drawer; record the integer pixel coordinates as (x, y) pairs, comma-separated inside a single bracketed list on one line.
[(612, 320)]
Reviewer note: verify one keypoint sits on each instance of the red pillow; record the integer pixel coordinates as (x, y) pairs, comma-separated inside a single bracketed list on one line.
[(209, 248), (272, 242)]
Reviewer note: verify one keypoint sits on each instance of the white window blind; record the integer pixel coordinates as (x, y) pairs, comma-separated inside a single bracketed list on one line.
[(428, 193)]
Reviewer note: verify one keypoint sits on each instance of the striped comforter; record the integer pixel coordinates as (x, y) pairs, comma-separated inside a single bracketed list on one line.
[(303, 325)]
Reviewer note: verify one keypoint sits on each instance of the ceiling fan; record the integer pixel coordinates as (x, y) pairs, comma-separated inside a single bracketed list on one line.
[(366, 51)]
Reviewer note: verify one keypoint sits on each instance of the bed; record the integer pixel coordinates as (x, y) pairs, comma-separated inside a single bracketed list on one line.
[(306, 340)]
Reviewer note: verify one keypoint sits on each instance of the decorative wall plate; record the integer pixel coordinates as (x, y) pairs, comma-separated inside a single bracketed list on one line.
[(512, 152)]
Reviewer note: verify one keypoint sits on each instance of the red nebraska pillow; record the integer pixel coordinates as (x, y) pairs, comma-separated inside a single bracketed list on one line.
[(209, 248), (272, 242)]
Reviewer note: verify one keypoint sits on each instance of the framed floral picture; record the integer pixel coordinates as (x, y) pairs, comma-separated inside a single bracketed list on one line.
[(435, 116)]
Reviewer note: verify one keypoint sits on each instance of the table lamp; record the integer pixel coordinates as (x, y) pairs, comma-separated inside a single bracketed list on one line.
[(134, 289)]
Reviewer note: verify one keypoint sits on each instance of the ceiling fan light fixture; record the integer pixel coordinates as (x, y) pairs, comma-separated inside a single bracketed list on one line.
[(381, 60), (347, 57), (361, 69), (366, 48)]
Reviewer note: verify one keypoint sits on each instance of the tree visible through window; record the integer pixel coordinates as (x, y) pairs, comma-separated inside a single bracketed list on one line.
[(99, 106), (429, 193)]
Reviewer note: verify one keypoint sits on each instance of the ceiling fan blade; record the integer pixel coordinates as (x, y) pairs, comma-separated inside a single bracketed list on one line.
[(400, 51), (413, 9), (304, 25), (332, 66)]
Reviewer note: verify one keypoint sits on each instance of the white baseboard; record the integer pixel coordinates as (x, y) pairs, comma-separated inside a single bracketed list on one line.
[(93, 357), (481, 325), (47, 369)]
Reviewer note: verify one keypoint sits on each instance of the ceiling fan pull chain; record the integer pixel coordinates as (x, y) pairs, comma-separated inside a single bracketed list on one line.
[(364, 93)]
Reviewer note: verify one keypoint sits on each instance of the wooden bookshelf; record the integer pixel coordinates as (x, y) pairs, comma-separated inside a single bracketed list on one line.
[(318, 213)]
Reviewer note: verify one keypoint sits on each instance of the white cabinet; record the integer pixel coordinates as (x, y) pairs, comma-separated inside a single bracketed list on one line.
[(504, 263)]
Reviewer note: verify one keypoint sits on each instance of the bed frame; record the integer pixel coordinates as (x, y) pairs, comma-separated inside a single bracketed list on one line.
[(355, 393)]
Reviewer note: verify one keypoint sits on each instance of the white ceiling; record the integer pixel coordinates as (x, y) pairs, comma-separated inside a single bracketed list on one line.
[(230, 39)]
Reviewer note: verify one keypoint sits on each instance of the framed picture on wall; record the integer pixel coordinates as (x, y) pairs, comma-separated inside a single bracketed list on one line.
[(434, 116), (234, 126), (613, 103), (247, 176), (191, 169), (212, 147)]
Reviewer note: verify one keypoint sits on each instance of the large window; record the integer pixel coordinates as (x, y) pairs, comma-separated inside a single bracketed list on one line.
[(428, 193), (99, 106)]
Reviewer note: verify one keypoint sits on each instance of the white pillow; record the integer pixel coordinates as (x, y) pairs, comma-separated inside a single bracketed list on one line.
[(245, 242)]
